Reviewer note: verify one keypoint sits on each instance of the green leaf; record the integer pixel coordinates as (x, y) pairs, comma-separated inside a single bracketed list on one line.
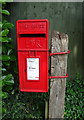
[(4, 49), (7, 25), (4, 110), (7, 63), (4, 95), (3, 77), (9, 77), (5, 39), (5, 57), (4, 32), (12, 58), (8, 80), (6, 12), (9, 52), (0, 24), (3, 69)]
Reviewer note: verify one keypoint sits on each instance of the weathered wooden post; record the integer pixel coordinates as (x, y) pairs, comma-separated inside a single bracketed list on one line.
[(58, 68)]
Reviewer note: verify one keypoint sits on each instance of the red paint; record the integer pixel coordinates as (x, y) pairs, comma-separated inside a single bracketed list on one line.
[(50, 77), (60, 53), (32, 42)]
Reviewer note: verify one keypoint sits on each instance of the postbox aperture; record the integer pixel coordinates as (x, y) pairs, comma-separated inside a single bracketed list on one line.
[(32, 47)]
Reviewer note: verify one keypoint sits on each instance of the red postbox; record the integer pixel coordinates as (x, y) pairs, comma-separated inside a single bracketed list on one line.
[(32, 47)]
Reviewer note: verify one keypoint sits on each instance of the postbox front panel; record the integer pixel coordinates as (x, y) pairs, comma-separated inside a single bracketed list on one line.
[(32, 46)]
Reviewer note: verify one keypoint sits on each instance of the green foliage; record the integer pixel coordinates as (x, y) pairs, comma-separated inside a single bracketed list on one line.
[(6, 39), (6, 12), (25, 106), (4, 95), (7, 24), (4, 32), (74, 99), (6, 0), (7, 80), (0, 24)]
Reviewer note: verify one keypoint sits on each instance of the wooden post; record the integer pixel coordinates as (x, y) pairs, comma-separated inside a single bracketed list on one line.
[(46, 110), (58, 68)]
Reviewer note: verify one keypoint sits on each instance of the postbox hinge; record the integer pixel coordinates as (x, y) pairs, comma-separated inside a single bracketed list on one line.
[(51, 77), (60, 53)]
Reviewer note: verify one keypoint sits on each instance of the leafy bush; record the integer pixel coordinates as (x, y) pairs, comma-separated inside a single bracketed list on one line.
[(8, 57), (74, 99), (25, 106)]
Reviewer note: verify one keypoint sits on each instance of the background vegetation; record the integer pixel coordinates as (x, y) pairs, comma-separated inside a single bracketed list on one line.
[(8, 56), (74, 101), (19, 105)]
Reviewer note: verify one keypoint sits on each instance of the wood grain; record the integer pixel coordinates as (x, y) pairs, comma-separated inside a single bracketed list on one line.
[(58, 68)]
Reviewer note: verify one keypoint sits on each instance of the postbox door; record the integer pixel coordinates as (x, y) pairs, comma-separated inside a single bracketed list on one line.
[(40, 84)]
